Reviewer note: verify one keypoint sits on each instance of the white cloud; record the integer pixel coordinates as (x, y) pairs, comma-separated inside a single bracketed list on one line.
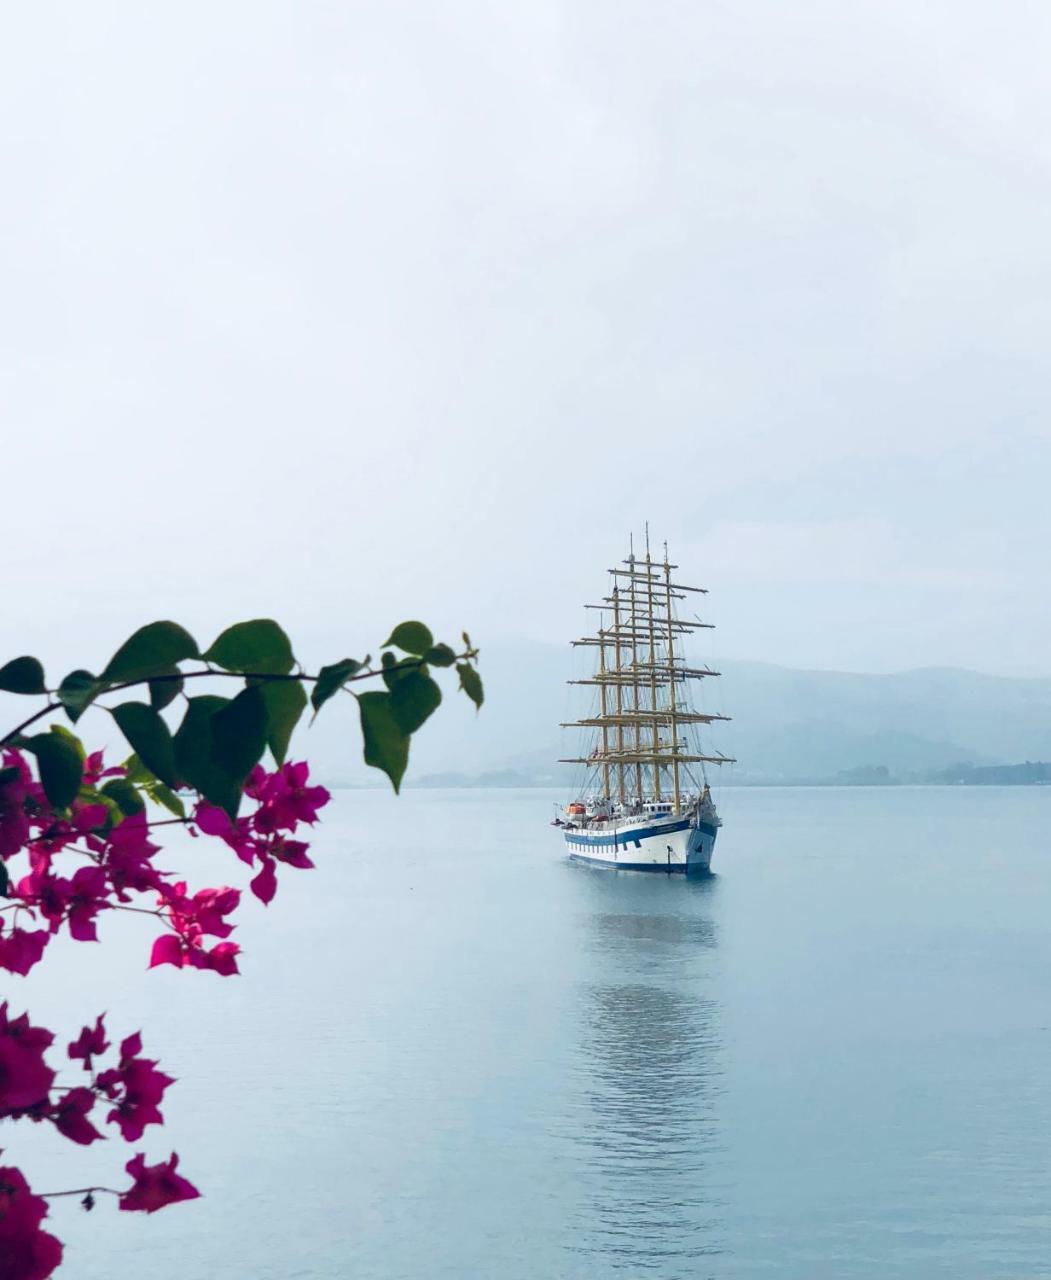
[(342, 311)]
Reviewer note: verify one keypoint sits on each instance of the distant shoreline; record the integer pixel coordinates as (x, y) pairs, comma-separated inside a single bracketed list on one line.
[(1028, 774), (816, 785)]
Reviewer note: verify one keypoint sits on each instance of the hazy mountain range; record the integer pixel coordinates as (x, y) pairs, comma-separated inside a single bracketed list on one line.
[(788, 725)]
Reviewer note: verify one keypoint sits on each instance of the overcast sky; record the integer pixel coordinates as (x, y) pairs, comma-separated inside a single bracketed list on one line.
[(344, 312)]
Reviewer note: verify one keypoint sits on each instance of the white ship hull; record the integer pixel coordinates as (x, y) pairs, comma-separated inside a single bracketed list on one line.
[(672, 844)]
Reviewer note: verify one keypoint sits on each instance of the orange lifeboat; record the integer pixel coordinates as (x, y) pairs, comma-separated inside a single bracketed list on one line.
[(576, 809)]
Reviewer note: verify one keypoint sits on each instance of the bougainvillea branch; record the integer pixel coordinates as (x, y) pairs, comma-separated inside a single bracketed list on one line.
[(58, 802)]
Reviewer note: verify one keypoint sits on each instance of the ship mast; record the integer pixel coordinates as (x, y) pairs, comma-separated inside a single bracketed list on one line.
[(671, 675), (633, 623), (619, 687), (653, 669), (636, 628), (605, 727)]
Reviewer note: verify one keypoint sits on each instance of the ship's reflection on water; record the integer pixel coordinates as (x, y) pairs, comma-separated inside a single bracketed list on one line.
[(649, 1079)]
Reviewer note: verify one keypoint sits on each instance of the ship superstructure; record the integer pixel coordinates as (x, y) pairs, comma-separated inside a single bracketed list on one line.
[(645, 803)]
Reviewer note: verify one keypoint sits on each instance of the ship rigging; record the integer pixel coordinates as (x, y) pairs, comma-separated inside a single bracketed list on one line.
[(644, 806)]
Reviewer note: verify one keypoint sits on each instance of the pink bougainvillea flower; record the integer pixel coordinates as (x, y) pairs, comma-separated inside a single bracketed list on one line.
[(193, 919), (89, 817), (180, 952), (213, 821), (137, 1088), (95, 770), (209, 907), (167, 949), (40, 852), (19, 1029), (264, 885), (76, 901), (52, 837), (284, 801), (26, 1252), (90, 1043), (284, 798), (294, 852), (277, 849), (131, 1046), (257, 776), (156, 1185), (37, 888), (127, 853), (25, 1078), (87, 897), (221, 959), (21, 949), (70, 1116), (203, 913)]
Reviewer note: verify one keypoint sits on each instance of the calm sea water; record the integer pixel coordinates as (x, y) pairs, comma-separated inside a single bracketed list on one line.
[(455, 1054)]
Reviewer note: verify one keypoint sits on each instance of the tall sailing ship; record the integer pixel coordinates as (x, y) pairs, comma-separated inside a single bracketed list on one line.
[(645, 803)]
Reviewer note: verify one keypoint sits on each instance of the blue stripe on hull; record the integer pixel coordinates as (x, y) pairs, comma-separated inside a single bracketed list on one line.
[(623, 839), (673, 868)]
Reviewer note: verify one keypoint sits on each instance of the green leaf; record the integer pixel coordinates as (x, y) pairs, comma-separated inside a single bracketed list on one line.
[(22, 675), (152, 650), (9, 774), (471, 682), (149, 737), (5, 880), (259, 645), (60, 765), (72, 739), (124, 794), (330, 680), (413, 637), (77, 691), (386, 746), (193, 738), (413, 698), (440, 655), (153, 787), (162, 692), (285, 701), (397, 669), (194, 754), (239, 733), (136, 771), (166, 796)]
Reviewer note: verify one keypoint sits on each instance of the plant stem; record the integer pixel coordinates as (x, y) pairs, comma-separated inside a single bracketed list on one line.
[(77, 1191), (368, 674), (139, 911), (51, 706)]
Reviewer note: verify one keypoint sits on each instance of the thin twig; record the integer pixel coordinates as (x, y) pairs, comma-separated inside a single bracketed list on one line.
[(59, 835), (78, 1191), (51, 706), (139, 911)]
